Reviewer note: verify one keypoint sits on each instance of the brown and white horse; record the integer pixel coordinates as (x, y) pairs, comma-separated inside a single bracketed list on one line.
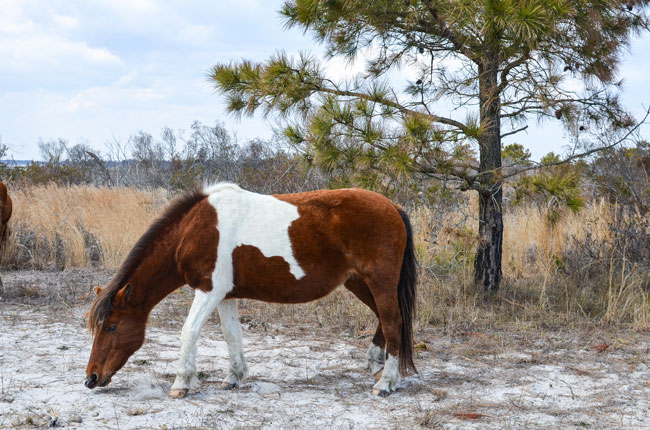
[(229, 244), (5, 212)]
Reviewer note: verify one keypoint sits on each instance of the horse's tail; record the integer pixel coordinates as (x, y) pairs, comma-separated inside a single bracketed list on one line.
[(406, 297)]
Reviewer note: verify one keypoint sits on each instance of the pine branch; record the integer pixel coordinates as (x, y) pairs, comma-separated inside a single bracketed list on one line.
[(446, 32), (510, 133), (536, 165), (398, 106), (506, 70)]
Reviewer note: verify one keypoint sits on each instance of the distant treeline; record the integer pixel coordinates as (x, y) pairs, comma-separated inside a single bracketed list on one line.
[(211, 154)]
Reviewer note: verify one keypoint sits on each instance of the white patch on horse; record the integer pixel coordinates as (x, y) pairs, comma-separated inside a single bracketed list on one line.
[(246, 218), (221, 186)]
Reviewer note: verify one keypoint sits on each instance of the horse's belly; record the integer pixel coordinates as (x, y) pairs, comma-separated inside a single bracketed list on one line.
[(274, 294), (270, 279)]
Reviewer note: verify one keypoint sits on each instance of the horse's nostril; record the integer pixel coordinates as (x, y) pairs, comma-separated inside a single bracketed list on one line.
[(91, 382)]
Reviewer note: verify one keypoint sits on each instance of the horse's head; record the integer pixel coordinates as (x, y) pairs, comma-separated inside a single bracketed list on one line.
[(119, 332)]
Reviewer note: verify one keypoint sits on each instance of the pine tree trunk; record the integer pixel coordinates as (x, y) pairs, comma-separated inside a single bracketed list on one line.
[(487, 265)]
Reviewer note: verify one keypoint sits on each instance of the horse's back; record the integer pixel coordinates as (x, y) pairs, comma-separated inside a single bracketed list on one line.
[(356, 220)]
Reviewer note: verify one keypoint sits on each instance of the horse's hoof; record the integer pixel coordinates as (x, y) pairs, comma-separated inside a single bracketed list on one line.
[(178, 394), (378, 374), (226, 386), (380, 393)]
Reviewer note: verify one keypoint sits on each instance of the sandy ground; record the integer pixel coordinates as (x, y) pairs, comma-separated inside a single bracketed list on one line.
[(309, 377)]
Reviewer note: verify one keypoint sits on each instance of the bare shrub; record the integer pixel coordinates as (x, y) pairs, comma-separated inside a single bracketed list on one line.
[(622, 175)]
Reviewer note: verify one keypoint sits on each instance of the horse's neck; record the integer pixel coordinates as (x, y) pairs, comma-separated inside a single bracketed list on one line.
[(157, 277)]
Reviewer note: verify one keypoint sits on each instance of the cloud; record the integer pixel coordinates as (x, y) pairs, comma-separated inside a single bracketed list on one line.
[(39, 49), (78, 69), (36, 53), (110, 98)]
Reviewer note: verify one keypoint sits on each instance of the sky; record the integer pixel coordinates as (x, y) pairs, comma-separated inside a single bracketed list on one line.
[(102, 70)]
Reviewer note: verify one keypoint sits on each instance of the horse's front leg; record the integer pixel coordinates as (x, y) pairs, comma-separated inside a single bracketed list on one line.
[(232, 333), (202, 307)]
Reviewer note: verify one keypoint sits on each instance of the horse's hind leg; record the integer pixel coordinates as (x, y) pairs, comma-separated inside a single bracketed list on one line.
[(202, 307), (385, 296), (232, 332), (376, 354)]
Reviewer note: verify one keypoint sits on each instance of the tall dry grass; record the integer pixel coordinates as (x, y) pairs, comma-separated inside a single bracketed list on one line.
[(549, 278), (77, 226), (570, 271)]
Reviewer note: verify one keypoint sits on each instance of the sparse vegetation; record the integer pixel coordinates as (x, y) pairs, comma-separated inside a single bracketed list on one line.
[(591, 265)]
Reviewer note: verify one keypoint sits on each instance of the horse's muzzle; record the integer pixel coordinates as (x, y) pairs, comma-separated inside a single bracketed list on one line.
[(106, 380), (91, 382)]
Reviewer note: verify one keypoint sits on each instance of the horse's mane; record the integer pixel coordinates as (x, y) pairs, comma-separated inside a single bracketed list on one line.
[(103, 304)]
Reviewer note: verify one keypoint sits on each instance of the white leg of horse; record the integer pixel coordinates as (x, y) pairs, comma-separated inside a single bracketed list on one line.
[(202, 307), (376, 358), (389, 379), (232, 333)]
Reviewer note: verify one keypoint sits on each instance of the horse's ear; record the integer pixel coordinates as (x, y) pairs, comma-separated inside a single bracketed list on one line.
[(123, 295), (97, 289)]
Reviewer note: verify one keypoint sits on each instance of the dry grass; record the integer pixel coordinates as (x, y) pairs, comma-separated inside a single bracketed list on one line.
[(543, 284), (554, 274), (76, 226)]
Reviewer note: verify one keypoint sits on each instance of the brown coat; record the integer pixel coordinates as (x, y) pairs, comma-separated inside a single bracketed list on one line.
[(5, 210)]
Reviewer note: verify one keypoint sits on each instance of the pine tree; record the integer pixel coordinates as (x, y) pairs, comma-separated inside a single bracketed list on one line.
[(498, 62)]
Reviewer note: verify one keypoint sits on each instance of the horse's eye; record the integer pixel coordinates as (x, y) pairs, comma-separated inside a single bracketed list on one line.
[(111, 329)]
